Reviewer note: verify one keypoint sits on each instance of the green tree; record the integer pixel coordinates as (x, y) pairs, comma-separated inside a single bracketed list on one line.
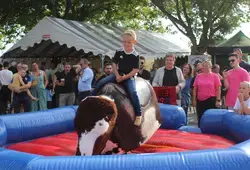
[(20, 15), (204, 21)]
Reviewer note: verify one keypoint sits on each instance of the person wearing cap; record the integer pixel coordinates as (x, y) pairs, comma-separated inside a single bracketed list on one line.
[(242, 64)]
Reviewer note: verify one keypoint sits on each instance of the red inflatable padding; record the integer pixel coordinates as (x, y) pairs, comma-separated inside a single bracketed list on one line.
[(146, 148), (162, 141), (189, 141), (53, 141), (58, 145), (45, 150), (188, 135)]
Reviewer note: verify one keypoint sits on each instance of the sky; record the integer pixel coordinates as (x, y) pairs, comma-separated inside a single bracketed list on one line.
[(182, 40), (244, 27), (178, 38)]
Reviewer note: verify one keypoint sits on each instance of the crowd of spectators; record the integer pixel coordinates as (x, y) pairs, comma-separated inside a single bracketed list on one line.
[(203, 86), (40, 88), (206, 86)]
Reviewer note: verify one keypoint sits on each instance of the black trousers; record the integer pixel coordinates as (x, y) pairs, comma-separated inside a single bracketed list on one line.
[(55, 100), (5, 96), (202, 106), (83, 95), (21, 100)]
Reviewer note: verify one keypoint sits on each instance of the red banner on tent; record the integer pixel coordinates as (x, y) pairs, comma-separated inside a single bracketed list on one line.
[(166, 95), (46, 36)]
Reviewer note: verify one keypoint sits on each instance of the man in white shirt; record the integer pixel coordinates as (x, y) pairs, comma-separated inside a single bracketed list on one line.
[(85, 80), (5, 94)]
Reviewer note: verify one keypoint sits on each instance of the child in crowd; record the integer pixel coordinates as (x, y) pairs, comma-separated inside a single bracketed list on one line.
[(17, 83), (125, 67), (242, 105)]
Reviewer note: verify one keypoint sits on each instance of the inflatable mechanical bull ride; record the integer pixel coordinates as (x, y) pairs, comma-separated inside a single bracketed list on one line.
[(110, 117)]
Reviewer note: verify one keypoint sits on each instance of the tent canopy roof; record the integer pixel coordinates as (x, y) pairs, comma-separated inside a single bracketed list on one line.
[(53, 37), (238, 40)]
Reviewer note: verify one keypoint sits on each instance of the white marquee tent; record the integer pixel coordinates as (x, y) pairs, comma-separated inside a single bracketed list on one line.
[(95, 38)]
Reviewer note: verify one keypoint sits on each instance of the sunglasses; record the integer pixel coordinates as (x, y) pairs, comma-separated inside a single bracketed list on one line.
[(236, 49), (232, 61)]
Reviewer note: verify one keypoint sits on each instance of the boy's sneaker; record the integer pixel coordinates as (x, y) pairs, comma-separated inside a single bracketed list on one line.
[(138, 120)]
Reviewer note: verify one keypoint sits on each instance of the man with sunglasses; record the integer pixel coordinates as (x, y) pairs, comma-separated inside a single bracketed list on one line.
[(233, 78), (145, 74)]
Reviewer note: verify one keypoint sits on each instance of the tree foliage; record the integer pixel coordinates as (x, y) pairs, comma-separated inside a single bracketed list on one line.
[(21, 15), (204, 21)]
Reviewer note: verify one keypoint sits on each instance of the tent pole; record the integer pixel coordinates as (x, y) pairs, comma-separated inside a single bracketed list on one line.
[(102, 59)]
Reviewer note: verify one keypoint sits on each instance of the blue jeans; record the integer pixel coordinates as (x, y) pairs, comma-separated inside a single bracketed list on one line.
[(185, 102), (130, 87)]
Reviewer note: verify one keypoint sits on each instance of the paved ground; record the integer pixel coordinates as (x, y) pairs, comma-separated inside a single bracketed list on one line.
[(192, 118)]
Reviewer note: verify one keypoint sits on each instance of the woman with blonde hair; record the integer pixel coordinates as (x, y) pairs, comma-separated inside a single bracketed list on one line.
[(207, 90), (39, 83)]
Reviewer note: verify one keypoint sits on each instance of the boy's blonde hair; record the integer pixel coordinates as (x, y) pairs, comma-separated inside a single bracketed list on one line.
[(130, 33), (246, 82)]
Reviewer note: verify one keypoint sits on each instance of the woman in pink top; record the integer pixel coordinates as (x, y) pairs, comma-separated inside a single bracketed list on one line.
[(232, 80), (207, 89)]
